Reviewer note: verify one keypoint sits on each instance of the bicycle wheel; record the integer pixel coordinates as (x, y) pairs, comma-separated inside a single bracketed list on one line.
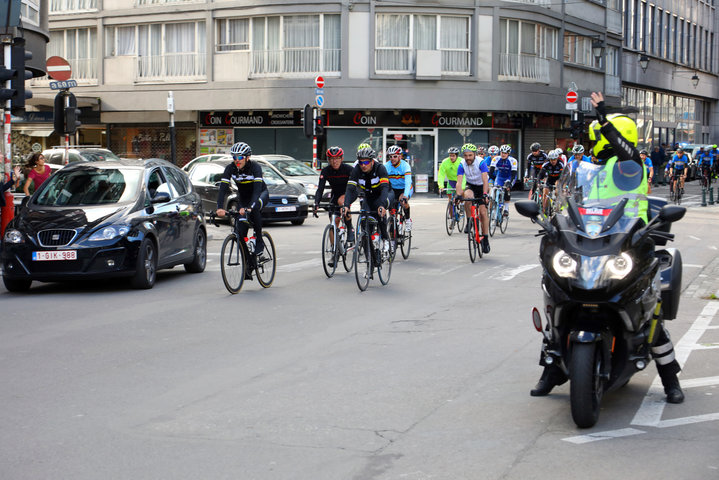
[(266, 269), (671, 191), (394, 238), (504, 222), (329, 250), (678, 196), (449, 218), (347, 260), (471, 243), (363, 261), (493, 218), (232, 264), (384, 267), (461, 219), (406, 243)]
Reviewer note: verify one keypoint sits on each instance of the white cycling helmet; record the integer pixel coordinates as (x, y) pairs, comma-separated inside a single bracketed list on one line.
[(494, 150), (394, 150), (241, 148), (578, 149), (505, 149), (553, 154)]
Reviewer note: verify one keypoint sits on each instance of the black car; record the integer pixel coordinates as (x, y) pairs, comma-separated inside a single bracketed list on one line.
[(106, 219), (288, 201)]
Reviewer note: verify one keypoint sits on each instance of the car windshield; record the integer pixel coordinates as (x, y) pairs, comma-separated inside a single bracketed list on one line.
[(90, 186), (293, 168), (270, 176), (98, 155)]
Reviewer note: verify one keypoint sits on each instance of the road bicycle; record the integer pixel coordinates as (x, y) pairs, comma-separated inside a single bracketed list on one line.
[(537, 193), (454, 216), (548, 203), (474, 237), (368, 253), (498, 211), (399, 236), (238, 258), (336, 244), (706, 177), (675, 193)]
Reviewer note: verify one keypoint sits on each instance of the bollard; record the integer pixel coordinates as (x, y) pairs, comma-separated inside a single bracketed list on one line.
[(704, 197), (711, 195)]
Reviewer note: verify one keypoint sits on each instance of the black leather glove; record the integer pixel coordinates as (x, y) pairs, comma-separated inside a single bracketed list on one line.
[(601, 113)]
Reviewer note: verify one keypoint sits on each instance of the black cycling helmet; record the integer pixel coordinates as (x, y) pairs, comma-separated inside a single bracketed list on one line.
[(644, 152), (366, 153), (535, 147), (241, 148)]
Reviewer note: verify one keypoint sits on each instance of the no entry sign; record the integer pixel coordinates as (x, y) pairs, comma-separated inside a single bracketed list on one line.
[(320, 81), (58, 68), (572, 97)]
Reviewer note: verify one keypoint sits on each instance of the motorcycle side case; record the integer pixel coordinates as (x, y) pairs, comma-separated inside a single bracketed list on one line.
[(670, 265), (656, 204)]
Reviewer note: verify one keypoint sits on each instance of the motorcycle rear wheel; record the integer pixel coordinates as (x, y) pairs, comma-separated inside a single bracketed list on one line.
[(586, 386)]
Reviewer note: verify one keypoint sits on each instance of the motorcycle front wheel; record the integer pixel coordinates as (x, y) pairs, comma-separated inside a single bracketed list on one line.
[(586, 386)]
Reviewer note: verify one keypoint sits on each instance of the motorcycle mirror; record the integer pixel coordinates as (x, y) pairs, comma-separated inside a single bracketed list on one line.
[(671, 213), (527, 208), (537, 319)]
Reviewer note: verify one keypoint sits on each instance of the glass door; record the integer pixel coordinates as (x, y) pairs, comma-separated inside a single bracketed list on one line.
[(420, 151)]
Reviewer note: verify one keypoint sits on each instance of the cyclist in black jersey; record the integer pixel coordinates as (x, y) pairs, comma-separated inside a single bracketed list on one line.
[(251, 191), (551, 170), (371, 177), (535, 160), (336, 174)]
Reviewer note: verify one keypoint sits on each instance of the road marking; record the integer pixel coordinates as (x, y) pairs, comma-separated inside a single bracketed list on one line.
[(296, 267), (712, 247), (694, 238), (691, 265), (507, 275), (609, 434)]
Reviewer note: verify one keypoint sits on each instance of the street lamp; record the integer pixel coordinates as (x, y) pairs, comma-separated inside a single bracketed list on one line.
[(598, 49), (695, 80), (644, 62)]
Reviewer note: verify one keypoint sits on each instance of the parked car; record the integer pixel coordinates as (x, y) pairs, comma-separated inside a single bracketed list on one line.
[(298, 171), (55, 157), (288, 201), (205, 158), (106, 219)]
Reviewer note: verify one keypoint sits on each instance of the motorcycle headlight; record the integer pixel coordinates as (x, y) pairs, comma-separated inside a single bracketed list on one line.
[(13, 236), (564, 265), (109, 232), (620, 266)]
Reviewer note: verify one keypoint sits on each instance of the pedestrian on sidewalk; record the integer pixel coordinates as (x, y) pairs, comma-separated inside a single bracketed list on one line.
[(657, 157)]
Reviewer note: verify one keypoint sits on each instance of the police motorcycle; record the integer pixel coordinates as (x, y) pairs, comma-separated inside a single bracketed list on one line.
[(607, 286)]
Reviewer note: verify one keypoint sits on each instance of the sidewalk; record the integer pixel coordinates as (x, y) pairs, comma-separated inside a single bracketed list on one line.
[(706, 283)]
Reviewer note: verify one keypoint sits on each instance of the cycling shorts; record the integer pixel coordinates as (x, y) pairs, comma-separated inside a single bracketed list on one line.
[(478, 190)]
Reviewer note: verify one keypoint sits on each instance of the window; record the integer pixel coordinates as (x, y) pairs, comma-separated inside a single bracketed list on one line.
[(178, 180), (78, 47), (299, 44), (526, 38), (30, 12), (612, 61), (399, 36), (578, 50), (233, 34), (67, 6)]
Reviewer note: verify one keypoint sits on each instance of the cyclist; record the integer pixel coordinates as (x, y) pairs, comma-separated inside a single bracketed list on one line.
[(714, 152), (371, 177), (337, 173), (447, 172), (400, 179), (677, 166), (551, 170), (705, 162), (504, 168), (477, 185), (492, 153), (644, 155), (251, 192), (578, 155), (535, 160)]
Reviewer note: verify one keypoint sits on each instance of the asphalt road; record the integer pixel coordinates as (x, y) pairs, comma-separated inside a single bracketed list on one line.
[(426, 378)]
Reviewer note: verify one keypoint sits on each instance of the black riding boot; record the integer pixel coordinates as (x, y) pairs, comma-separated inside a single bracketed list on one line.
[(551, 377)]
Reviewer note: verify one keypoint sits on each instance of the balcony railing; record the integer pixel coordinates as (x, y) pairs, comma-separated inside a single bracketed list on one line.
[(613, 85), (84, 70), (161, 2), (294, 61), (402, 61), (184, 66), (541, 3), (523, 68), (68, 6)]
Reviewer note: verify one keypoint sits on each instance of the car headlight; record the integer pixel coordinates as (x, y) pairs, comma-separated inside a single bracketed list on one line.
[(302, 198), (620, 266), (109, 232), (311, 188), (14, 236), (564, 265)]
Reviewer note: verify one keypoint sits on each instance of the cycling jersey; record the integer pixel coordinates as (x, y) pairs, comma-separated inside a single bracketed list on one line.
[(337, 180), (678, 163), (534, 163), (374, 184), (706, 159), (400, 177), (473, 173), (648, 164), (250, 184), (447, 171), (551, 172), (506, 169)]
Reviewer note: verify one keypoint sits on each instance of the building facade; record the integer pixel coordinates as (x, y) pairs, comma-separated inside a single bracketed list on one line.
[(425, 75)]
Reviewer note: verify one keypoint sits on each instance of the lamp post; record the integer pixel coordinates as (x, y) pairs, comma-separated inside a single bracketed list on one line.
[(644, 62)]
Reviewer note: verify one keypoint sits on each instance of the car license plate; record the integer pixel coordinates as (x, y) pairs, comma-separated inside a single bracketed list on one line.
[(56, 255), (285, 209)]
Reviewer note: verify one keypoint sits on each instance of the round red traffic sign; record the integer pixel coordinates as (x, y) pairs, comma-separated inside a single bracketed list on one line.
[(398, 136), (58, 68), (319, 81), (572, 97)]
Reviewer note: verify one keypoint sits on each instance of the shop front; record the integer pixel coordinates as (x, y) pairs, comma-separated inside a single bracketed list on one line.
[(153, 141)]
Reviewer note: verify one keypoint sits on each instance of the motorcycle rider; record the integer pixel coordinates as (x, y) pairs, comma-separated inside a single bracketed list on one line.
[(616, 139)]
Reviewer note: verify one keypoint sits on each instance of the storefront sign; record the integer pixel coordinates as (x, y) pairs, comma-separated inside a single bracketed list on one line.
[(410, 119), (237, 118), (421, 183)]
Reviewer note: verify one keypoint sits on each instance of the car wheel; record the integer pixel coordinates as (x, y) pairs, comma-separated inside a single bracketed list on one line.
[(299, 221), (197, 264), (146, 268), (17, 284)]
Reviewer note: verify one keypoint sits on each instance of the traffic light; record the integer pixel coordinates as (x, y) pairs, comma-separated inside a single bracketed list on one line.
[(58, 114), (72, 115), (6, 93), (307, 121), (576, 125), (319, 126), (18, 58)]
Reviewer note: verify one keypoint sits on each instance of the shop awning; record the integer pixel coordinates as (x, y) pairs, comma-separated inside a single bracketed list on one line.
[(36, 133)]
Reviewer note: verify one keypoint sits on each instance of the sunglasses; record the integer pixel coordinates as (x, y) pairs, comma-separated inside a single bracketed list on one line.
[(398, 155), (239, 157), (365, 162)]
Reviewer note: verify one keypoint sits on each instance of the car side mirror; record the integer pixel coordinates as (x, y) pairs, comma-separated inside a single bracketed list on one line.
[(160, 197), (527, 208), (671, 213)]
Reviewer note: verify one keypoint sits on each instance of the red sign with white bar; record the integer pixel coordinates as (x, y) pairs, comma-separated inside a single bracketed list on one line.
[(572, 97), (319, 81), (58, 69)]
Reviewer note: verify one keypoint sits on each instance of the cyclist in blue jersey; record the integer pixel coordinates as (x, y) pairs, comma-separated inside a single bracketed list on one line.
[(492, 153), (477, 177), (504, 168), (705, 162), (644, 156), (400, 179), (678, 166)]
